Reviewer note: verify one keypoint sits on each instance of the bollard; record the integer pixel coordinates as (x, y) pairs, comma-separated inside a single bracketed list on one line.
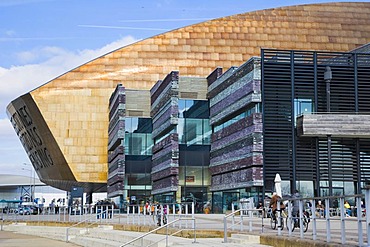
[(289, 225), (343, 214), (367, 206), (2, 218), (313, 210), (225, 230), (359, 221), (301, 218), (279, 217), (327, 212)]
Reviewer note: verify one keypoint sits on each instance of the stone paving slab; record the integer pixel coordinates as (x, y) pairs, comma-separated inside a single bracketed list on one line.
[(11, 239)]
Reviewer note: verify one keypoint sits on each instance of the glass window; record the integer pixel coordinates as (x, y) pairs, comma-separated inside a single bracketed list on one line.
[(193, 125), (138, 179), (138, 125), (182, 107), (194, 131), (306, 188), (193, 109), (138, 144), (302, 106), (131, 124), (138, 137)]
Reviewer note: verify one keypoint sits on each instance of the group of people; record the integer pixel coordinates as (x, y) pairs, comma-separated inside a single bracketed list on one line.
[(320, 206), (276, 198), (161, 218)]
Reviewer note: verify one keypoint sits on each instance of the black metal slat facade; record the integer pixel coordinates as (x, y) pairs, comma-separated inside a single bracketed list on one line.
[(290, 76)]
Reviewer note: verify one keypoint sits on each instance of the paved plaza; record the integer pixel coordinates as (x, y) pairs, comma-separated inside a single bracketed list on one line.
[(209, 224)]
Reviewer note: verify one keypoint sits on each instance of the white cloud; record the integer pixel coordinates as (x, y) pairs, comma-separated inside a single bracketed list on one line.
[(19, 2), (18, 80), (11, 151), (10, 33), (6, 128)]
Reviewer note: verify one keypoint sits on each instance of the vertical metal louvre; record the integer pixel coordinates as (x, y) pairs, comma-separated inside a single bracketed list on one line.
[(284, 71), (277, 115), (304, 89)]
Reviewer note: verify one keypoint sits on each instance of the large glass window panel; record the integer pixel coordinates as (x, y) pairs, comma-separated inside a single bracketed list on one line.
[(195, 176), (306, 188), (138, 179), (207, 131), (349, 188), (182, 107), (180, 130), (302, 106), (217, 202), (138, 125), (193, 109), (194, 131), (138, 144), (131, 124)]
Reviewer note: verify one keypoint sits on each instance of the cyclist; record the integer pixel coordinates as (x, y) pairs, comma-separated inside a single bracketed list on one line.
[(295, 209), (273, 204)]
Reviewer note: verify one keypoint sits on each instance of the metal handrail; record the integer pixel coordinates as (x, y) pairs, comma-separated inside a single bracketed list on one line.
[(232, 214), (329, 217), (161, 227), (2, 219), (83, 221)]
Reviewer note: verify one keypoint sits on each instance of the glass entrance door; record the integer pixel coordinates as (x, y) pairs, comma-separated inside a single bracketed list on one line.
[(228, 199)]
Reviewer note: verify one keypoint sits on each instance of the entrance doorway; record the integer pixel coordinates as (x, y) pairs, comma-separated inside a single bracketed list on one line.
[(228, 198)]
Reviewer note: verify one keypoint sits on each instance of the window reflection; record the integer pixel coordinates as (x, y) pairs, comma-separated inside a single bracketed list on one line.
[(193, 125), (302, 106), (138, 138)]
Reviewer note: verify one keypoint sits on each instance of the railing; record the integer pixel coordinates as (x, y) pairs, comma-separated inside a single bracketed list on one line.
[(142, 215), (63, 214), (323, 225), (329, 217), (2, 220), (141, 238), (243, 213), (96, 216)]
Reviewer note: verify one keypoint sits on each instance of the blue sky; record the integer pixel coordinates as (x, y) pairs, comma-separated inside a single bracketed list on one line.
[(41, 39)]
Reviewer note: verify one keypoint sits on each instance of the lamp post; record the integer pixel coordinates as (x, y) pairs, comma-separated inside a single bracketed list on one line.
[(32, 180), (327, 78)]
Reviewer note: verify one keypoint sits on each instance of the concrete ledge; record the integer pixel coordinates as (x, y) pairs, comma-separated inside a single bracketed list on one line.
[(244, 238), (281, 241)]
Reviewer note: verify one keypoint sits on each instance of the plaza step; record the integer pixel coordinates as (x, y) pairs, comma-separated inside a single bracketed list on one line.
[(244, 239)]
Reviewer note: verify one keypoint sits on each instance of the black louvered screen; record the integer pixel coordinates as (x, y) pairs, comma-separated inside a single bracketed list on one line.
[(344, 161), (277, 115), (365, 160), (292, 77)]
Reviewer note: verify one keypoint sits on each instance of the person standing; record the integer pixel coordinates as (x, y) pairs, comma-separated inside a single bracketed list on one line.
[(347, 207)]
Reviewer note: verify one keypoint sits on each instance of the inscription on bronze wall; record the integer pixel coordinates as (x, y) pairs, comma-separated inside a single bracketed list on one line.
[(30, 138)]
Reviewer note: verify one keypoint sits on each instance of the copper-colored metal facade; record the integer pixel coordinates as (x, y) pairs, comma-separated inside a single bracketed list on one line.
[(71, 112)]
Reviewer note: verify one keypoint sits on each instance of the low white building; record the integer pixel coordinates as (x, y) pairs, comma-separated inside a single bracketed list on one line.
[(23, 188)]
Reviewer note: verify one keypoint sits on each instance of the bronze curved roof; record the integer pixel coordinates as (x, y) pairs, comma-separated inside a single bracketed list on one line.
[(72, 109)]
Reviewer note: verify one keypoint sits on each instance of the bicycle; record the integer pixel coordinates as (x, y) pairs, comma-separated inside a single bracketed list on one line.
[(274, 220), (296, 222)]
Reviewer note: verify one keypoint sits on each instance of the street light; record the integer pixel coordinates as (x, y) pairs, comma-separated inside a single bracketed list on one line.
[(32, 177), (327, 78)]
